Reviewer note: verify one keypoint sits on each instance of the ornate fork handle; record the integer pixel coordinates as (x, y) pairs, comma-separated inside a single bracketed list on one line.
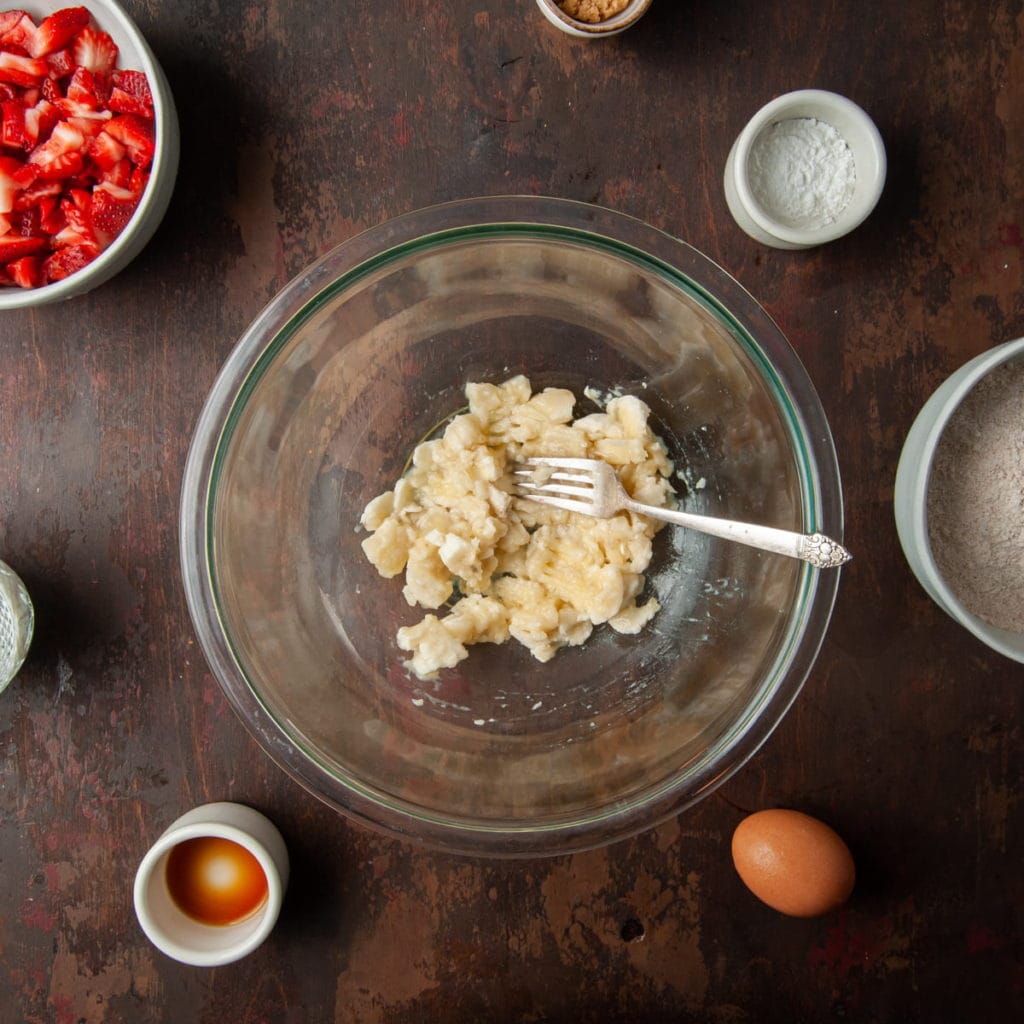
[(820, 551)]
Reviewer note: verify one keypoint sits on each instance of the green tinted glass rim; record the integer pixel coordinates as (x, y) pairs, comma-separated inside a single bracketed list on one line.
[(517, 231)]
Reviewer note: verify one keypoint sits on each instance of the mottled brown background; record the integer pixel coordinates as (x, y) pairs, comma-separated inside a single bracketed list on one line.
[(303, 122)]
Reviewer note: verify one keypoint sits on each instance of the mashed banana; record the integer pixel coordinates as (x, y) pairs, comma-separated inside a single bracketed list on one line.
[(540, 575)]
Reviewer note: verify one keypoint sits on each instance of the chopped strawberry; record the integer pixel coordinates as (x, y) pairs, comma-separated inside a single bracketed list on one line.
[(80, 198), (12, 125), (67, 165), (130, 94), (25, 174), (90, 124), (140, 179), (26, 222), (42, 200), (122, 193), (82, 102), (78, 229), (64, 262), (95, 51), (9, 185), (40, 121), (136, 135), (87, 89), (23, 71), (13, 247), (16, 29), (135, 84), (65, 138), (51, 90), (8, 91), (58, 30), (8, 21), (110, 214), (122, 102), (26, 272), (61, 63), (51, 216), (105, 151), (34, 194), (120, 175)]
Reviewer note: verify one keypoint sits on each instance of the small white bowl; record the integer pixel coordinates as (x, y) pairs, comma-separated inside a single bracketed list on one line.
[(911, 495), (175, 933), (594, 30), (861, 135), (17, 621), (134, 53)]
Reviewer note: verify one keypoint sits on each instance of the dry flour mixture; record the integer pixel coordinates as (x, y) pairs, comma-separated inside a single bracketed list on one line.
[(976, 499)]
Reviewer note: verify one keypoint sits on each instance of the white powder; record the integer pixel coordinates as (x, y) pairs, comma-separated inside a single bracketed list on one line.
[(802, 172)]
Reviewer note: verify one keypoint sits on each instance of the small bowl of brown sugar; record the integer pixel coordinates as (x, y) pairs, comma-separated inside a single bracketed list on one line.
[(959, 497), (592, 19)]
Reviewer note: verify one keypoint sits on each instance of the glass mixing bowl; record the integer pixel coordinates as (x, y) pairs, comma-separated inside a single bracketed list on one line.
[(317, 411)]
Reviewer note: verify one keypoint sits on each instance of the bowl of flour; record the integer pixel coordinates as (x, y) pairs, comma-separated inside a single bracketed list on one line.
[(959, 497), (808, 168)]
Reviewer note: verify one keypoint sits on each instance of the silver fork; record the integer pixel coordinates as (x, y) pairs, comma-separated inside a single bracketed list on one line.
[(593, 488)]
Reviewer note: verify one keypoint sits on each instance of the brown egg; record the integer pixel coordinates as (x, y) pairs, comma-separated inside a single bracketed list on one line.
[(793, 862)]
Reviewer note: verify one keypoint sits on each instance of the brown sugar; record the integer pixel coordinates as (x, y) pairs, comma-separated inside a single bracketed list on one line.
[(593, 11)]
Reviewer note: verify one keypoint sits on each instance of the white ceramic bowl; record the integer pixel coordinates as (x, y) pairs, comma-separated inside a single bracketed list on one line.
[(175, 933), (596, 30), (136, 54), (861, 136), (17, 621), (911, 494)]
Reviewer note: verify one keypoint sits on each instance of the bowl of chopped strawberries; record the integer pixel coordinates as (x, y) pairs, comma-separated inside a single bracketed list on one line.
[(88, 149)]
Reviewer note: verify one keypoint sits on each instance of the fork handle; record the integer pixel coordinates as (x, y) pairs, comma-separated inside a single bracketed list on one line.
[(815, 548)]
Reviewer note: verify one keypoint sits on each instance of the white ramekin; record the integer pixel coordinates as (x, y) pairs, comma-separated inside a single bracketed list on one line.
[(17, 622), (175, 933), (596, 30), (861, 136)]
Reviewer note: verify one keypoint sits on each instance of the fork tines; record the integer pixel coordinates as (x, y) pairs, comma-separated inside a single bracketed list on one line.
[(541, 474), (555, 481), (539, 460)]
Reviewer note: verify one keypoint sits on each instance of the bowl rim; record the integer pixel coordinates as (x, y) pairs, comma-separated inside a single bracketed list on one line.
[(913, 479), (822, 505), (111, 17)]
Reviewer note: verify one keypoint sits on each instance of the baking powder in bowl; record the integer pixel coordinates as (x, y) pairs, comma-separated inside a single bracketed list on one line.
[(802, 172), (976, 499)]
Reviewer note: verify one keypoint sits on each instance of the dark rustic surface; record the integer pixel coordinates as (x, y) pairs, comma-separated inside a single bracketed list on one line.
[(304, 122)]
